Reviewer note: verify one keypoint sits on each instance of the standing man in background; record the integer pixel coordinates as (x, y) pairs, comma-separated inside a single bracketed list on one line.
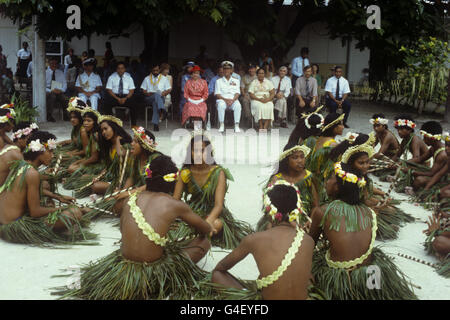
[(298, 63)]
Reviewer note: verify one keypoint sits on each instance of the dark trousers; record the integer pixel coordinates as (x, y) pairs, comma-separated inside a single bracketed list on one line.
[(306, 109), (294, 80), (109, 102), (212, 109), (332, 107), (55, 101)]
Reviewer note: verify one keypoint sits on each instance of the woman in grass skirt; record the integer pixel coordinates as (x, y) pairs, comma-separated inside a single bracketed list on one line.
[(148, 265), (291, 168), (202, 183), (342, 266)]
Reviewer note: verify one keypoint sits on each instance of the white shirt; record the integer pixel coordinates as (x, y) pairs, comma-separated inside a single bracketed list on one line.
[(114, 80), (285, 87), (160, 84), (24, 54), (331, 84), (30, 69), (67, 60), (88, 83), (59, 77), (227, 88)]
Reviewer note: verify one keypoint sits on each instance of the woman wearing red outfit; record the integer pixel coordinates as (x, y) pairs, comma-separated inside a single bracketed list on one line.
[(196, 93)]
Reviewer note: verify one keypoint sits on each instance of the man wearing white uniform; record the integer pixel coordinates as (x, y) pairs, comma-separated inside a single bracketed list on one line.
[(55, 86), (120, 88), (283, 86), (155, 88), (227, 92), (89, 84), (337, 90)]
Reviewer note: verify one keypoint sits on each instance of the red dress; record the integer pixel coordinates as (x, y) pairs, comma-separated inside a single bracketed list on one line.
[(195, 90)]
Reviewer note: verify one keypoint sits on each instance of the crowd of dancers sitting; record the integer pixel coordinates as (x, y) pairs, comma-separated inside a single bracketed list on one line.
[(321, 213)]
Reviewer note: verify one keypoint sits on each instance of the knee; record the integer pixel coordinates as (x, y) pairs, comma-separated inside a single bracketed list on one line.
[(216, 276), (441, 245)]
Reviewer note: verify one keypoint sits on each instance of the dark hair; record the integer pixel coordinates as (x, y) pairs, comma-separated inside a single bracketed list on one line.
[(43, 137), (347, 191), (189, 160), (4, 112), (94, 117), (304, 50), (329, 119), (161, 166), (260, 70), (432, 127), (302, 131), (337, 67), (151, 136), (23, 125), (284, 198), (108, 44), (75, 129), (339, 150), (307, 67), (53, 58), (119, 63), (105, 145), (283, 165), (380, 115), (405, 117), (315, 64)]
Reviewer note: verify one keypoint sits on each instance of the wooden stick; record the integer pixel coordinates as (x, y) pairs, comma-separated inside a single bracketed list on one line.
[(124, 168), (92, 182), (418, 260), (112, 194), (58, 162)]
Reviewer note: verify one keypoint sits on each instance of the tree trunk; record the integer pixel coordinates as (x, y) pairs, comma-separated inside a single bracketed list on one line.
[(447, 104), (156, 45)]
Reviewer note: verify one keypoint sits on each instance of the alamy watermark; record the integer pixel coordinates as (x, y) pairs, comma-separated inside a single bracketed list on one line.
[(374, 20), (74, 20), (74, 281), (373, 273)]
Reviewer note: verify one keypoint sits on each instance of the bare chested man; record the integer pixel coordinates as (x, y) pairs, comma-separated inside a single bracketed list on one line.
[(8, 154), (388, 142), (410, 142), (22, 217), (6, 123), (269, 248), (432, 134)]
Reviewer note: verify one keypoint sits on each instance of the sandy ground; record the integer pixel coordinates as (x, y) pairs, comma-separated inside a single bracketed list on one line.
[(26, 272)]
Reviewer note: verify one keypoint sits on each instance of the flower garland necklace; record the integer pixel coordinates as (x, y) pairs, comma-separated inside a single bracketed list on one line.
[(347, 176), (151, 79)]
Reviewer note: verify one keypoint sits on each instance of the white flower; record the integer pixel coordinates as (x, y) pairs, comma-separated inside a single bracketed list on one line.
[(351, 137), (51, 144), (34, 126), (36, 146)]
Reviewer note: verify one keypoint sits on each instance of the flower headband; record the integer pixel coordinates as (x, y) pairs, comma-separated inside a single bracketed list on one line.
[(37, 146), (25, 131), (306, 150), (431, 136), (307, 115), (365, 147), (270, 209), (347, 176), (73, 105), (332, 123), (7, 106), (89, 109), (147, 142), (170, 177), (117, 121), (446, 136), (351, 137), (404, 123), (379, 121)]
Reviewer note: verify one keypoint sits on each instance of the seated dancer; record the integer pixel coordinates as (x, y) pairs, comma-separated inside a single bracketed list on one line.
[(388, 142), (22, 217), (291, 168), (7, 116), (438, 241), (432, 135), (206, 183), (308, 128), (283, 253), (74, 148), (90, 164), (10, 153), (342, 266), (319, 162), (148, 265), (410, 142), (390, 218), (143, 152), (22, 131)]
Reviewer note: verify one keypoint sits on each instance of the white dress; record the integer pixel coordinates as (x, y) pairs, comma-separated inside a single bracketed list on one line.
[(261, 90)]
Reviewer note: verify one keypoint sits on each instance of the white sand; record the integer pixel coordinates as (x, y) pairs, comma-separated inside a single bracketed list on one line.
[(26, 272)]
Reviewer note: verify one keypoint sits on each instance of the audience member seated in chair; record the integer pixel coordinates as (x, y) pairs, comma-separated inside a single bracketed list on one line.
[(227, 92), (282, 93), (55, 86), (306, 92), (89, 84), (165, 70), (195, 93), (245, 97), (337, 90), (120, 92), (262, 92), (211, 102), (155, 87)]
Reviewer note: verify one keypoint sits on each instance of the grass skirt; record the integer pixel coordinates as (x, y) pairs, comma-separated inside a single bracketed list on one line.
[(36, 231), (83, 176), (390, 218), (340, 284), (229, 237), (444, 269), (112, 277)]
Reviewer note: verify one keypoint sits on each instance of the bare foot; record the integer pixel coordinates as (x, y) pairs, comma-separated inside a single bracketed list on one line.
[(409, 191)]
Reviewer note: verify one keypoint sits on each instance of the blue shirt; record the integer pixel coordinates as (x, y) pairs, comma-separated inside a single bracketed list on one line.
[(296, 66), (184, 79), (212, 85)]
